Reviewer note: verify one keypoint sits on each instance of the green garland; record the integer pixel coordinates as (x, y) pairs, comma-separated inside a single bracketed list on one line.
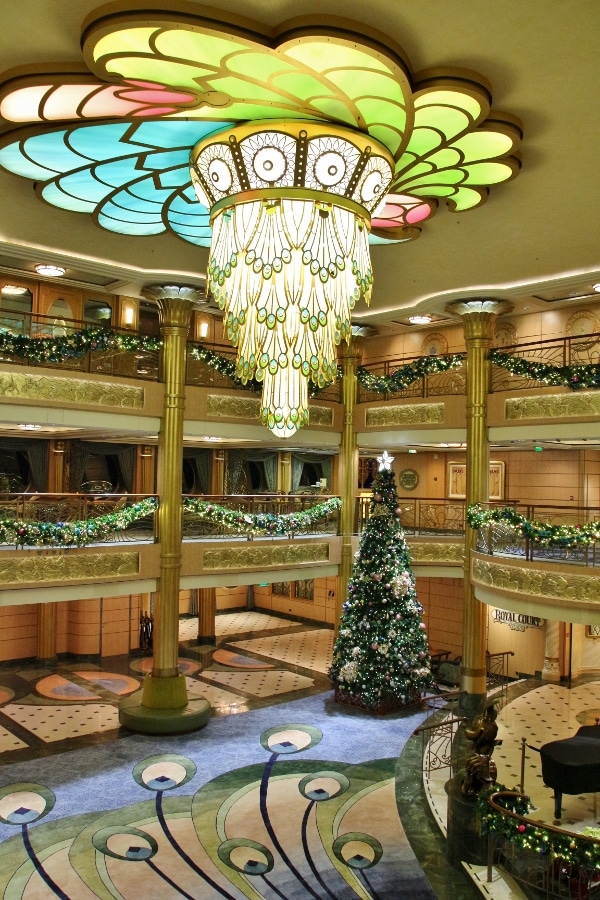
[(538, 532), (526, 834), (261, 523), (73, 346), (72, 534), (574, 377), (408, 374), (227, 367)]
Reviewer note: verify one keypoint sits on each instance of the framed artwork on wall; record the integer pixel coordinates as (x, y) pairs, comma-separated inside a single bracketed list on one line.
[(457, 480), (592, 631)]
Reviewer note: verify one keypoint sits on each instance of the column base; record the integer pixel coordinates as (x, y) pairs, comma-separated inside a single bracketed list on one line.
[(146, 720)]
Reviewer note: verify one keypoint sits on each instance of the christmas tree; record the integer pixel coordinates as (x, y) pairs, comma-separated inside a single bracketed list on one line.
[(381, 660)]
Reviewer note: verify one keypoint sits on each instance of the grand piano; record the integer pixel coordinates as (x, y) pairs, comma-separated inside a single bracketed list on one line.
[(572, 765)]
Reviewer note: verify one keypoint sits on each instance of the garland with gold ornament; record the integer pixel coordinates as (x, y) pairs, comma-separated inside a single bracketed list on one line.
[(406, 375), (538, 532), (574, 377), (261, 523), (72, 346), (510, 822), (24, 533)]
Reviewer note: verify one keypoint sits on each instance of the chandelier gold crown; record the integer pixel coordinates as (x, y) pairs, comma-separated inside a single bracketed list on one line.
[(290, 206)]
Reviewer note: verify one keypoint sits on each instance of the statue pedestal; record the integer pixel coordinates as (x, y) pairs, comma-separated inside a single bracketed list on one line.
[(464, 843)]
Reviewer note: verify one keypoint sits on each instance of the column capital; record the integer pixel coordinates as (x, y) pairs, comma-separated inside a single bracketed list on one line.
[(175, 302), (479, 315)]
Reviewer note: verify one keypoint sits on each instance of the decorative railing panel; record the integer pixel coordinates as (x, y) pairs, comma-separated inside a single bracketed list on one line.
[(438, 384), (581, 350)]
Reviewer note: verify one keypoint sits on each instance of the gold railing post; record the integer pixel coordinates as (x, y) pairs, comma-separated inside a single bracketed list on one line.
[(349, 356), (479, 318), (164, 707)]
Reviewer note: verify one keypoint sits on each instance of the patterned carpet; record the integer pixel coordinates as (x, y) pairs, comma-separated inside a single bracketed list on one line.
[(293, 801)]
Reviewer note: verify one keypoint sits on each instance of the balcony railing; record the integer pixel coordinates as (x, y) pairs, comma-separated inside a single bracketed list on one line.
[(54, 508), (503, 539), (421, 516), (580, 350), (439, 384)]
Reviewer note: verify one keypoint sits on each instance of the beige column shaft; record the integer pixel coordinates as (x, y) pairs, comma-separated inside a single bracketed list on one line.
[(551, 670), (479, 317), (175, 311), (349, 357), (207, 608)]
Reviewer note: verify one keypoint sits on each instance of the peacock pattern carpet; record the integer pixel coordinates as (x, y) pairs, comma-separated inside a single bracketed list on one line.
[(291, 827)]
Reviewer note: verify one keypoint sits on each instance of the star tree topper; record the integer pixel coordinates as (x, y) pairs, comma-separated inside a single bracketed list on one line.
[(385, 461)]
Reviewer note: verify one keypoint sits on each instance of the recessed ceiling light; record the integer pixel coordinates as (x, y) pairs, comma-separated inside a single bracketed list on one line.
[(50, 270), (29, 427), (13, 289), (420, 320), (596, 287)]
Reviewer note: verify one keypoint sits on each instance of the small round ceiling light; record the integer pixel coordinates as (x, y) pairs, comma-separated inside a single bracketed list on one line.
[(420, 320), (49, 270), (596, 287)]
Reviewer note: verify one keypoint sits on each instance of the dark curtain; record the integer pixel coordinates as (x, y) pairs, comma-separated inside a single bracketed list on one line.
[(37, 457), (80, 453), (202, 462), (298, 460)]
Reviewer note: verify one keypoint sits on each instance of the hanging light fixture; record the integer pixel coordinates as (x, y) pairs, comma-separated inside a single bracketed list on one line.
[(290, 206), (304, 144)]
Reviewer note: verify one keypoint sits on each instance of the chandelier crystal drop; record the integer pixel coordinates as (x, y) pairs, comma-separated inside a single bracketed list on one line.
[(290, 211)]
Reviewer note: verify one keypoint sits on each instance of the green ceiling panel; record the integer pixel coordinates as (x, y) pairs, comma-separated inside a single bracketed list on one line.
[(125, 158), (480, 145), (457, 99), (205, 50)]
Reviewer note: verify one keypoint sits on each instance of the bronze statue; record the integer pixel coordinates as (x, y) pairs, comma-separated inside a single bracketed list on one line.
[(481, 768)]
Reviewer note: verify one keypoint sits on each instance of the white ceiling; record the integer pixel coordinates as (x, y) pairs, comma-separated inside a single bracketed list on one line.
[(536, 235)]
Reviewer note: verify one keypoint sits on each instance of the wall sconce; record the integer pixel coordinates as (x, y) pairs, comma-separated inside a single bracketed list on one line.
[(202, 328), (128, 315)]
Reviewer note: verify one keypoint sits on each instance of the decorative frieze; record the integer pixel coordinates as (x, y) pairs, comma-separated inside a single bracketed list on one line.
[(21, 386), (581, 404), (244, 407), (66, 567), (537, 582), (421, 552), (412, 414), (265, 556)]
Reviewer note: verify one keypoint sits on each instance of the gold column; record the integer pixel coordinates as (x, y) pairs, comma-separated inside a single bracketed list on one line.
[(217, 474), (479, 317), (46, 612), (284, 472), (164, 706), (207, 607), (349, 356)]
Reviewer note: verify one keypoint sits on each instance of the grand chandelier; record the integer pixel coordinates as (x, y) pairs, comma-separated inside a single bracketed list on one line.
[(290, 206), (307, 143)]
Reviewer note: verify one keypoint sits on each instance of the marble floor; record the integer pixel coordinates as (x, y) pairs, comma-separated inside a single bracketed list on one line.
[(262, 660)]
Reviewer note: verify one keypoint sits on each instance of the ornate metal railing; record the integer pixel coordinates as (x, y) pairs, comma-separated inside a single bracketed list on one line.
[(503, 539), (421, 516), (63, 508), (546, 862), (580, 350), (439, 384), (195, 526), (52, 509), (138, 363)]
